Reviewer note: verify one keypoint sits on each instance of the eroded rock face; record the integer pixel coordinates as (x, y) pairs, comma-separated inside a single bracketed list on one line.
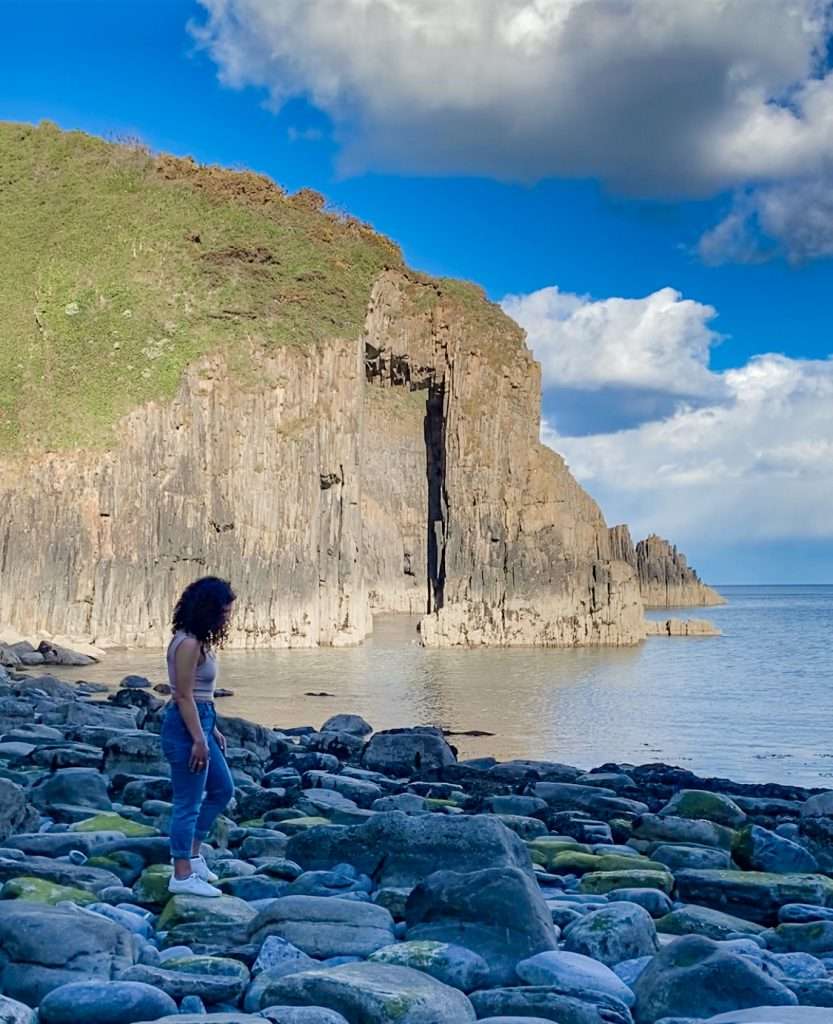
[(666, 580), (396, 471)]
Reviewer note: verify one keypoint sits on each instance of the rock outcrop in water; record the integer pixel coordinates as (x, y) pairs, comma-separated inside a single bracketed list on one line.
[(372, 878), (227, 379), (666, 580)]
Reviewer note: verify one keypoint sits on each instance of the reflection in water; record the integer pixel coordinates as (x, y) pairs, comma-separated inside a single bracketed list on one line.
[(744, 705)]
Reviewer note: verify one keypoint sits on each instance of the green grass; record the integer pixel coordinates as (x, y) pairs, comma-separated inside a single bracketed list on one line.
[(119, 269)]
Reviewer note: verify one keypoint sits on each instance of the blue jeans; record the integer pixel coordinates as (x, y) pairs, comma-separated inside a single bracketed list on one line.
[(199, 797)]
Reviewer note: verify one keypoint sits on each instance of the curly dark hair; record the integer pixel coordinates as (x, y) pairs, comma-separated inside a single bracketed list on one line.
[(201, 612)]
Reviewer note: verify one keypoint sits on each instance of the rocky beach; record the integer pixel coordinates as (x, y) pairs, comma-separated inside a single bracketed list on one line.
[(374, 878)]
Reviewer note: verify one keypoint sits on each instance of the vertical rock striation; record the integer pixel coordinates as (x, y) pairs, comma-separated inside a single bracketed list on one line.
[(515, 552), (666, 580), (259, 484)]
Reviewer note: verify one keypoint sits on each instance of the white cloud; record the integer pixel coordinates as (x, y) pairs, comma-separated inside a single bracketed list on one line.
[(654, 96), (658, 343), (793, 218), (757, 467)]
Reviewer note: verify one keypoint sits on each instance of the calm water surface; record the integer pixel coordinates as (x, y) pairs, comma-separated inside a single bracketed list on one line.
[(752, 705)]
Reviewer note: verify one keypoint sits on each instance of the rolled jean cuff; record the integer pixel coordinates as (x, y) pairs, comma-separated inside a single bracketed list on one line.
[(180, 854)]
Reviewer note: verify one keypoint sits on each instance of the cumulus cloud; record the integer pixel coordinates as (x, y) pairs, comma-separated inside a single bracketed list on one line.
[(656, 97), (793, 219), (661, 342), (756, 467)]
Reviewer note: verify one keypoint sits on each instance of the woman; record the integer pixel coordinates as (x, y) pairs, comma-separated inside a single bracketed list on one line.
[(191, 741)]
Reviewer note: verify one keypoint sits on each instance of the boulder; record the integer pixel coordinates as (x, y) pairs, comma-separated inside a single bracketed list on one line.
[(302, 1015), (406, 752), (456, 966), (54, 654), (573, 974), (653, 828), (818, 806), (696, 976), (354, 724), (374, 994), (213, 979), (757, 849), (703, 805), (598, 883), (619, 931), (135, 753), (325, 926), (80, 787), (753, 895), (59, 872), (16, 813), (45, 947), (399, 850), (713, 924), (595, 800), (497, 912), (13, 1012), (104, 1002), (814, 937), (540, 1001)]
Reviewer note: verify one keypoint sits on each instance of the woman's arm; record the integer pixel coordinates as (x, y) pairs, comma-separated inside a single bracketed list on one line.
[(186, 659)]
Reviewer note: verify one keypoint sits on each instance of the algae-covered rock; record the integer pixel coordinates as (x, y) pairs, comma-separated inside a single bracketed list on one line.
[(181, 910), (374, 994), (620, 931), (694, 975), (213, 979), (713, 924), (575, 862), (152, 885), (598, 883), (654, 828), (700, 804), (38, 890), (113, 823), (453, 965), (814, 937), (325, 926), (753, 895)]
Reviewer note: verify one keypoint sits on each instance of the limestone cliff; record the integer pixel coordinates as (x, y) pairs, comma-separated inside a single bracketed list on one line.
[(222, 378), (666, 580)]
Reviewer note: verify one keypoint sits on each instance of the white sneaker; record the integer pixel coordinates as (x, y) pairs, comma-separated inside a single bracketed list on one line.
[(202, 870), (193, 885)]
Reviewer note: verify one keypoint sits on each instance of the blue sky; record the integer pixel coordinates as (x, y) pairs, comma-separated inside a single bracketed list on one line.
[(570, 207)]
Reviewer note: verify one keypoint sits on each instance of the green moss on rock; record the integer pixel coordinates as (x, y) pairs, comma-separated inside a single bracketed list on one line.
[(113, 823), (38, 890)]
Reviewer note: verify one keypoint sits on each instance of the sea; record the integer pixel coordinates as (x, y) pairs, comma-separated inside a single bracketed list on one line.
[(752, 705)]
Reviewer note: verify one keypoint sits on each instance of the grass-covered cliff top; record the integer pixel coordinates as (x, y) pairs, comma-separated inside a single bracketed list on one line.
[(119, 268)]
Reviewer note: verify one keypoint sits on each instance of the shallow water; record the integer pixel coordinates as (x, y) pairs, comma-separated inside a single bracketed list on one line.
[(751, 705)]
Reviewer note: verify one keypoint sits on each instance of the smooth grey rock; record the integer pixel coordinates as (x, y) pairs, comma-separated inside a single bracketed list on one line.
[(758, 849), (104, 1002), (13, 1012), (498, 913), (404, 752), (45, 947), (653, 900), (774, 1015), (542, 1001), (573, 974), (595, 800), (16, 813), (302, 1015), (212, 979), (137, 753), (799, 913), (818, 806), (457, 966), (677, 857), (653, 828), (374, 994), (619, 931), (397, 850), (82, 787), (277, 954), (354, 724), (695, 975), (629, 970), (325, 926)]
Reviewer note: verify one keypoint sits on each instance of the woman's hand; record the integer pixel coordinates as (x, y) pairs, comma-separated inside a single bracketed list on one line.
[(199, 756), (221, 740)]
